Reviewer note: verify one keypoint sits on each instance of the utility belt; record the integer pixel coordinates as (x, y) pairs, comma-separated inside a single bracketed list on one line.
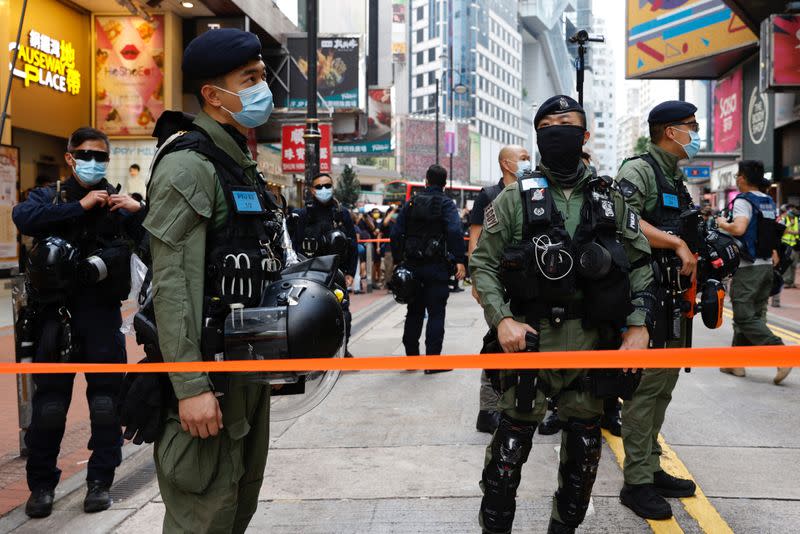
[(425, 249)]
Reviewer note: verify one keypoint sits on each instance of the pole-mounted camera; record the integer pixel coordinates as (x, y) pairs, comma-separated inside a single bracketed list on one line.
[(582, 37)]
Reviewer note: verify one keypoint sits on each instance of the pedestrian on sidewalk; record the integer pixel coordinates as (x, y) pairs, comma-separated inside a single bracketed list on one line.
[(791, 237), (85, 219), (537, 296), (427, 233), (753, 221), (513, 160)]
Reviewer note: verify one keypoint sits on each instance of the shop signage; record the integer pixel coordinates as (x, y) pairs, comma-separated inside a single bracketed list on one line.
[(49, 62), (338, 72), (728, 113), (780, 42), (399, 47), (757, 116), (293, 148), (697, 173), (9, 176)]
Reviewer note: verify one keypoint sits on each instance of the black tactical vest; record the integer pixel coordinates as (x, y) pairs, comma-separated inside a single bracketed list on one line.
[(426, 234), (543, 273), (247, 253), (671, 202), (320, 222)]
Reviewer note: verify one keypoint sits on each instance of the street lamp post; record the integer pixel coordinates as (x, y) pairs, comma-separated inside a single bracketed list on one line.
[(437, 121), (311, 135)]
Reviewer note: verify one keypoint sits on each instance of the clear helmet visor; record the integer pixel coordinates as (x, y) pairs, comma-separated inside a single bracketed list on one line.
[(262, 334)]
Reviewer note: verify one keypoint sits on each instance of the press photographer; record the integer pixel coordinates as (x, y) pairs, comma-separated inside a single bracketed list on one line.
[(78, 272)]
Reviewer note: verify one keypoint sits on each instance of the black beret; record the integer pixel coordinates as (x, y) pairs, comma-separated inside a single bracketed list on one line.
[(671, 111), (218, 52), (557, 104)]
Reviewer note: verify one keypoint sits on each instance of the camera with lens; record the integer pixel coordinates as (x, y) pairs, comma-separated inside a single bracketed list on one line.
[(108, 266)]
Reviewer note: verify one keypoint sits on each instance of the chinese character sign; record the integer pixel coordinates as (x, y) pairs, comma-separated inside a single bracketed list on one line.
[(129, 73), (338, 60), (728, 113), (293, 148), (48, 61)]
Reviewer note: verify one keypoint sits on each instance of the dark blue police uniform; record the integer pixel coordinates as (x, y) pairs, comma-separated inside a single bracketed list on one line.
[(95, 322), (427, 237), (309, 231)]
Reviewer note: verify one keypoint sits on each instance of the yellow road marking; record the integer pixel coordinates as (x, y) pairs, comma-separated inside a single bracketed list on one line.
[(699, 507), (793, 336), (665, 526)]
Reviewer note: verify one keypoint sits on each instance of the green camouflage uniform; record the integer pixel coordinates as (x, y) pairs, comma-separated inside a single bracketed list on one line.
[(484, 268), (208, 485), (643, 415)]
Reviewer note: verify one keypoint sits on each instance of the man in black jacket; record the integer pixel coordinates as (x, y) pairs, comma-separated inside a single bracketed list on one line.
[(94, 219)]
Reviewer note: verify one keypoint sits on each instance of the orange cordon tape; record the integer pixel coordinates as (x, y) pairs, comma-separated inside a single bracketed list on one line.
[(384, 240), (774, 356)]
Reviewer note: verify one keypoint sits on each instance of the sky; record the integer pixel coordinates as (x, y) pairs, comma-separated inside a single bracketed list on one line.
[(613, 11)]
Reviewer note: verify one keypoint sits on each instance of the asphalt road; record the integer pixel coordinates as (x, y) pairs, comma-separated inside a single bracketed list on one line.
[(398, 452)]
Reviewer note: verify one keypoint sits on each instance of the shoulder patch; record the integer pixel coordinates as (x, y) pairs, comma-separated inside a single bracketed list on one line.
[(490, 217), (632, 222), (627, 188)]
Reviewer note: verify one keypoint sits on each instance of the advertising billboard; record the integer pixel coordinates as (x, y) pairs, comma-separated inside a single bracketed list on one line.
[(129, 74), (399, 47), (378, 139), (728, 113), (9, 176), (780, 48), (665, 33), (293, 148), (338, 72)]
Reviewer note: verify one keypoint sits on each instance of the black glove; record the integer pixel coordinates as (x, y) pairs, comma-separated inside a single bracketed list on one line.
[(141, 406)]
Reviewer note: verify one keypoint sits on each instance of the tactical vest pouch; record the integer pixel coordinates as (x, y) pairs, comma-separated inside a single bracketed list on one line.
[(517, 273), (611, 383), (608, 300), (768, 235)]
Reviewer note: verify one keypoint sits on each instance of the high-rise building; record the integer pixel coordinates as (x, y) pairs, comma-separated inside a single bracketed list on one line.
[(474, 49)]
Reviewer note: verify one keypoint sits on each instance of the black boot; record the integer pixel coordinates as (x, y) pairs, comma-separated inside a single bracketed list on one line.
[(557, 527), (551, 424), (488, 421), (645, 502), (97, 497), (40, 503), (612, 417), (669, 486)]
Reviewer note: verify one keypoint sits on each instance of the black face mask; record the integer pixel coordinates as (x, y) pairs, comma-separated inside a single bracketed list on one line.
[(561, 147)]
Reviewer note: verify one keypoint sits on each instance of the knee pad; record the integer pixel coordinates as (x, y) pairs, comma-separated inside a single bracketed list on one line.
[(52, 414), (102, 410), (510, 447), (580, 470)]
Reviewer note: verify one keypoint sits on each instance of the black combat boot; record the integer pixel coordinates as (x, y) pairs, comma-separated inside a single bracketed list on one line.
[(551, 424), (644, 501), (669, 486), (488, 421), (557, 527), (97, 497), (40, 503)]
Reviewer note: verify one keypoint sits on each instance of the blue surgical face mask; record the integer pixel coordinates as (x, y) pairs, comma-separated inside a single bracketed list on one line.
[(523, 165), (90, 172), (324, 195), (256, 105), (693, 147)]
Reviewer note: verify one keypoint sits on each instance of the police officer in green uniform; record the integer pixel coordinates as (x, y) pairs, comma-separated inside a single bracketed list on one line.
[(211, 221), (561, 264), (653, 187)]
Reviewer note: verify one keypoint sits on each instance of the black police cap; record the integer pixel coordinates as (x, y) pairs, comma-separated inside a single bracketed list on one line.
[(218, 52), (557, 104), (671, 111)]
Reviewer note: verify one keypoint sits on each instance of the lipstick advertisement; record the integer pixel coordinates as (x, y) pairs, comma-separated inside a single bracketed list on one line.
[(129, 74)]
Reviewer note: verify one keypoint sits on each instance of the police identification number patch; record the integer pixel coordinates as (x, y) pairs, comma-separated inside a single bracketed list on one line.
[(490, 217), (633, 222)]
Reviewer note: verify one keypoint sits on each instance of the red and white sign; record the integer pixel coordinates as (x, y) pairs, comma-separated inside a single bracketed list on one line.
[(293, 148), (728, 113), (786, 50)]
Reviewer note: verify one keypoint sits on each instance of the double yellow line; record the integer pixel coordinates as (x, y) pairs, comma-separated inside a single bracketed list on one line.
[(698, 507), (782, 332)]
